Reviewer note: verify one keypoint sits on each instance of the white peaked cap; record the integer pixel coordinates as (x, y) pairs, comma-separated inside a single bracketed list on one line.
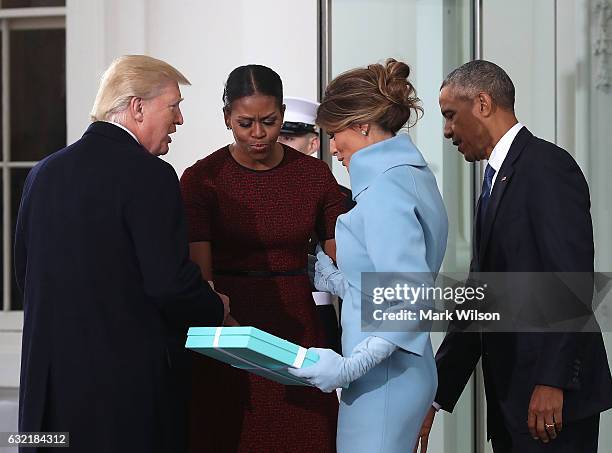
[(300, 110)]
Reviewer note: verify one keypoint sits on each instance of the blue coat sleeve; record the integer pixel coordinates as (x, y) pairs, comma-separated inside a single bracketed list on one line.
[(395, 243)]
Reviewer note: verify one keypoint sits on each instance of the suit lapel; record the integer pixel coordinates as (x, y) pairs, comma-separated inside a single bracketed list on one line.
[(504, 177), (476, 236)]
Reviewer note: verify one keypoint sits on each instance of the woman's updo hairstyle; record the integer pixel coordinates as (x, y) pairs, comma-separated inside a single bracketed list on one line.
[(252, 79), (376, 94)]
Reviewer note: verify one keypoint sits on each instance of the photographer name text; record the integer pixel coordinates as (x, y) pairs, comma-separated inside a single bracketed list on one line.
[(433, 315)]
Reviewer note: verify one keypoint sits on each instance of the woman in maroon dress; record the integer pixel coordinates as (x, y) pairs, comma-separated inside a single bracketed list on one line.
[(251, 207)]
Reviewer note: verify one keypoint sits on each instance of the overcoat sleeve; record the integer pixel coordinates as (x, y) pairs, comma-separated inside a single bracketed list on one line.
[(562, 224), (155, 219)]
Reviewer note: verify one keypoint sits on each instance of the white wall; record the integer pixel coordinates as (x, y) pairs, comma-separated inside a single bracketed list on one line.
[(10, 349), (8, 414), (205, 40)]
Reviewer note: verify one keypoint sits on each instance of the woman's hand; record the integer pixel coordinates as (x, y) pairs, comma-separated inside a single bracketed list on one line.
[(333, 371), (327, 276), (327, 374)]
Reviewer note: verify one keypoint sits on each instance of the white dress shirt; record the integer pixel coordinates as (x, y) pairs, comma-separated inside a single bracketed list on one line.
[(125, 129), (500, 151)]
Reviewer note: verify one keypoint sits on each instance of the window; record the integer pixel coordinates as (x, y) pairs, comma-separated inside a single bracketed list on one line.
[(33, 108)]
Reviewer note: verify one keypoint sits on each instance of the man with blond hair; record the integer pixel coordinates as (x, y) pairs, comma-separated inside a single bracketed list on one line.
[(101, 255)]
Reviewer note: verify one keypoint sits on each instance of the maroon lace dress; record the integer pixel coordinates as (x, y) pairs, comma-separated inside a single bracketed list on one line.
[(261, 221)]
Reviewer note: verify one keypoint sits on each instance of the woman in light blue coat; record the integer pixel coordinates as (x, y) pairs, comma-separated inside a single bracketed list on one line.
[(397, 230)]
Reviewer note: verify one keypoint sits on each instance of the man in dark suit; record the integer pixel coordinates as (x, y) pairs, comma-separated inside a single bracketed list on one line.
[(101, 255), (544, 391)]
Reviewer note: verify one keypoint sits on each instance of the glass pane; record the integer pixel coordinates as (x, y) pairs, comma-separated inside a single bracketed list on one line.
[(591, 119), (38, 93), (18, 176), (1, 260), (529, 60), (1, 187), (30, 3), (432, 37), (1, 127)]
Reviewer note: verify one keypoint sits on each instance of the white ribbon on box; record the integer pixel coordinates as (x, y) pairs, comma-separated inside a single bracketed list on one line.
[(299, 357), (297, 363)]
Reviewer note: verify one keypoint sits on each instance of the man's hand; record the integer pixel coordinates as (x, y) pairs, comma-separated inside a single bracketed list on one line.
[(545, 419), (425, 430), (230, 322), (226, 304)]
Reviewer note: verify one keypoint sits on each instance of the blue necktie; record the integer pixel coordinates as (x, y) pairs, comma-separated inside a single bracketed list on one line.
[(487, 183)]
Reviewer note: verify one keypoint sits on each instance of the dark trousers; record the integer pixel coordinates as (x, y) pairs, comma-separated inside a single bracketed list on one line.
[(580, 436)]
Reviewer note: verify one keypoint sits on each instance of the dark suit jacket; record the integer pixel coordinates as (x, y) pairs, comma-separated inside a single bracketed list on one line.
[(101, 255), (537, 220)]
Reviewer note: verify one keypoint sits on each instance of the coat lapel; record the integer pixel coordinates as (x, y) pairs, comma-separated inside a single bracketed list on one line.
[(504, 178), (111, 131), (475, 266)]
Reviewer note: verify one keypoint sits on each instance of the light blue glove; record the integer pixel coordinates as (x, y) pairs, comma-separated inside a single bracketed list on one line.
[(327, 276), (328, 373), (333, 371)]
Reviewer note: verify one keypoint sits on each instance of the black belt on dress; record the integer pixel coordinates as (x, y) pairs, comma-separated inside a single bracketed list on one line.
[(241, 273)]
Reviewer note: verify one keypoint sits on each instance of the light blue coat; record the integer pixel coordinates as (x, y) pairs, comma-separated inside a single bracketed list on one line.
[(398, 225)]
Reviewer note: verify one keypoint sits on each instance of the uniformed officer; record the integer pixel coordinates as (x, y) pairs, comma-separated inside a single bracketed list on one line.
[(299, 130)]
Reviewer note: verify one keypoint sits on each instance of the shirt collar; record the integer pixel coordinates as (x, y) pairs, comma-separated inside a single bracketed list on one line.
[(372, 161), (500, 151), (125, 129)]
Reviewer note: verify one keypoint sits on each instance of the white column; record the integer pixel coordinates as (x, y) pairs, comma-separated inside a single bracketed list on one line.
[(85, 47)]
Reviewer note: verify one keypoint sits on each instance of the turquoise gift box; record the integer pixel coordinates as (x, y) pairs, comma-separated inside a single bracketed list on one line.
[(253, 350)]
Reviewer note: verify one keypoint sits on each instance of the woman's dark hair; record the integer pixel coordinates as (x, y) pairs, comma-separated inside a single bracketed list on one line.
[(252, 79), (380, 94)]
